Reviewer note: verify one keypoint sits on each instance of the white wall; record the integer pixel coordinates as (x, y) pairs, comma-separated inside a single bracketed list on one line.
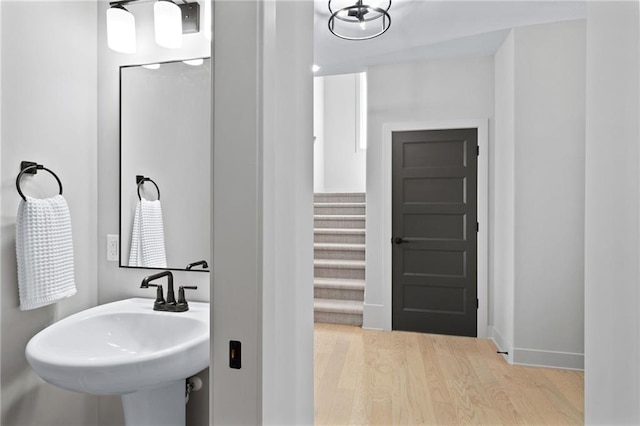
[(262, 224), (549, 194), (536, 185), (612, 241), (538, 265), (1, 231), (429, 91), (344, 162), (236, 278), (287, 288), (501, 273), (116, 283), (49, 116), (318, 133)]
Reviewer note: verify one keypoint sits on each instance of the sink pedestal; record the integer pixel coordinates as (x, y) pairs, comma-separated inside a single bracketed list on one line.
[(126, 348), (163, 406)]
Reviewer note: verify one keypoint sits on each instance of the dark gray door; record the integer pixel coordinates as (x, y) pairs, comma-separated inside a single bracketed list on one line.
[(434, 231)]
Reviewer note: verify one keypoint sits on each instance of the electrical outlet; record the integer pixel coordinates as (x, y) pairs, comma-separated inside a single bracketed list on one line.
[(113, 248)]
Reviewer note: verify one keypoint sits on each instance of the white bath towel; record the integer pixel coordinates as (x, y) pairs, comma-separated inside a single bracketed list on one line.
[(147, 237), (44, 251)]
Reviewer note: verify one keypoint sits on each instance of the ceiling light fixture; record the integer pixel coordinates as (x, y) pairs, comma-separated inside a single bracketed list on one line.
[(360, 21), (121, 29)]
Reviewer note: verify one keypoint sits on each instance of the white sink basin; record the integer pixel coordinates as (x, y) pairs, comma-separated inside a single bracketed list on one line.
[(122, 347)]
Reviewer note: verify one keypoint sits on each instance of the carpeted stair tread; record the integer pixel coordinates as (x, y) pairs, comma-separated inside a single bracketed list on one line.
[(352, 231), (339, 194), (339, 217), (340, 197), (338, 246), (338, 306), (323, 204), (339, 264), (339, 283)]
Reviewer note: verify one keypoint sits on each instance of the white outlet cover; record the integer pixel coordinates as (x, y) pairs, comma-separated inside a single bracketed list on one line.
[(113, 248)]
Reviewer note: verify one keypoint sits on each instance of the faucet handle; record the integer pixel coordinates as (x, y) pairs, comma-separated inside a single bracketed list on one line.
[(159, 304), (182, 304)]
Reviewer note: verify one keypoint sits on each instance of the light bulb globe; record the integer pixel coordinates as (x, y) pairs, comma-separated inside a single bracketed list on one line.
[(168, 24)]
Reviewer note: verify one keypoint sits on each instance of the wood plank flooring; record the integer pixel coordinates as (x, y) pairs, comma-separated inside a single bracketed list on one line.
[(365, 377)]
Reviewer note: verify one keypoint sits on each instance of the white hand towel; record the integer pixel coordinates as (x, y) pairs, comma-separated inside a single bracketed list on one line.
[(44, 251), (135, 253), (147, 237)]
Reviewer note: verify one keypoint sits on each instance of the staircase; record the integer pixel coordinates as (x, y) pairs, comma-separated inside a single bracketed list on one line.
[(339, 254)]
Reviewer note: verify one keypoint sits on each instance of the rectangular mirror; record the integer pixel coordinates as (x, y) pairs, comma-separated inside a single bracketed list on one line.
[(165, 165)]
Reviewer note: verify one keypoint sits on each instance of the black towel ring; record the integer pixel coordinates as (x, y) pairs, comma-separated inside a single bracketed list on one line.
[(141, 180), (32, 168)]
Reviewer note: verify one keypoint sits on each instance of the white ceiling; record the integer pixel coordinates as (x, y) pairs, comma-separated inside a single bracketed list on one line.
[(429, 29)]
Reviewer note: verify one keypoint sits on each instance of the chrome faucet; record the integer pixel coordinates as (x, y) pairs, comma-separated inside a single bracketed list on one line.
[(170, 305)]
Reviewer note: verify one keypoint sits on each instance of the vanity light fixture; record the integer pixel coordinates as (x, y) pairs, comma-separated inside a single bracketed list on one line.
[(151, 66), (171, 21), (167, 21), (121, 29), (360, 21)]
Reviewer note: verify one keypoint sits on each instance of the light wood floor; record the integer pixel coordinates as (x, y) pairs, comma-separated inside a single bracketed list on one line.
[(367, 377)]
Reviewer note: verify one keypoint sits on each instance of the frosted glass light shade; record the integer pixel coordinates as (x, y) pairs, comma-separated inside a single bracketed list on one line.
[(121, 30), (168, 24)]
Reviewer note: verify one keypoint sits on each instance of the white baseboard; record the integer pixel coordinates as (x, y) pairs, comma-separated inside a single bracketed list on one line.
[(501, 343), (374, 317), (534, 357), (550, 359)]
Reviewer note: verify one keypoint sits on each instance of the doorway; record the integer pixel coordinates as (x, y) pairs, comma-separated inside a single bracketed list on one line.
[(434, 228), (381, 316)]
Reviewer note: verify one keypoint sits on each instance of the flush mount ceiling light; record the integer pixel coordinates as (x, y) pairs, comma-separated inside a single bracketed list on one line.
[(167, 19), (171, 21), (360, 21), (121, 29)]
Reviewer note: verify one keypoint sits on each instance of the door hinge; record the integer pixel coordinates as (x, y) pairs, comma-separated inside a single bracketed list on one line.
[(478, 149), (477, 303), (477, 226)]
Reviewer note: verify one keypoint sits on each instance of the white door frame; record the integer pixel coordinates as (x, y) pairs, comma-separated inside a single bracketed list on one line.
[(482, 125)]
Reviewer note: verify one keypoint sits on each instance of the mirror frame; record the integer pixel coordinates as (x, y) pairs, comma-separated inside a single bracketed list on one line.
[(120, 265)]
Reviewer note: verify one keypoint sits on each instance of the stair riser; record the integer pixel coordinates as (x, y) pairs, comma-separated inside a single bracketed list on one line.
[(339, 254), (339, 210), (339, 239), (356, 274), (339, 224), (336, 318), (336, 293), (339, 198)]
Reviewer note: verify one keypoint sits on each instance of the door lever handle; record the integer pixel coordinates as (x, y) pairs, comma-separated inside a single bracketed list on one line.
[(398, 240)]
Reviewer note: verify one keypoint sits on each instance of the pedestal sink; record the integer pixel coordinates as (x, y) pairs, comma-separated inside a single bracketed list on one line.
[(126, 348)]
